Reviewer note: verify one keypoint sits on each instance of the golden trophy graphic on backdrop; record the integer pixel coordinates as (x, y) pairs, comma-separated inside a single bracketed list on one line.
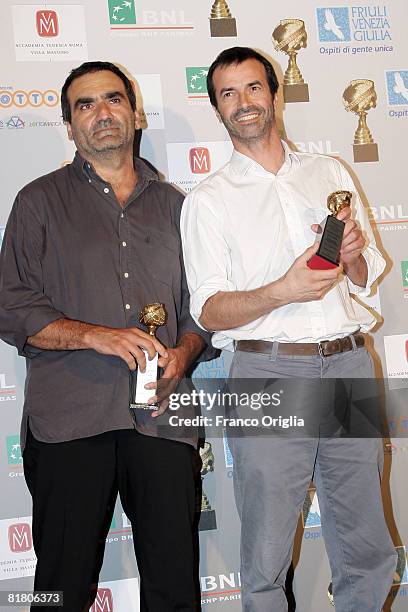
[(331, 233), (221, 21), (358, 97), (153, 316), (208, 520), (290, 36)]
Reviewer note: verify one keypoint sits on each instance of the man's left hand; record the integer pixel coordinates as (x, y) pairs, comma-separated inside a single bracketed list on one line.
[(353, 240), (175, 366)]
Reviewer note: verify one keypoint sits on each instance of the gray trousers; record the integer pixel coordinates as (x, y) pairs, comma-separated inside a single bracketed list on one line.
[(271, 479)]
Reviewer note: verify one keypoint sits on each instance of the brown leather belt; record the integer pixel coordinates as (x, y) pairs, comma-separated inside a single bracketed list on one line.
[(324, 348)]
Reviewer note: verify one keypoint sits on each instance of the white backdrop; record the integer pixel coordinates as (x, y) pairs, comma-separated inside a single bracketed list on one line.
[(166, 47)]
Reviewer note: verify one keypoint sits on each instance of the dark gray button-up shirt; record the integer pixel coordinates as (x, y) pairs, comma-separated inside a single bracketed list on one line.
[(70, 250)]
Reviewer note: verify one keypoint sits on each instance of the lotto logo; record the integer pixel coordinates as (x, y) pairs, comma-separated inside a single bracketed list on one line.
[(47, 23), (200, 161), (34, 98)]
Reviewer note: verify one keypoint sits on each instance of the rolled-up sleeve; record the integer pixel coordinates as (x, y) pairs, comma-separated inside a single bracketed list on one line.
[(206, 252), (373, 257), (24, 308)]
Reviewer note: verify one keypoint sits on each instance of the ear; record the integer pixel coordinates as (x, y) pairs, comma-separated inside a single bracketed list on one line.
[(138, 121), (69, 131), (275, 102)]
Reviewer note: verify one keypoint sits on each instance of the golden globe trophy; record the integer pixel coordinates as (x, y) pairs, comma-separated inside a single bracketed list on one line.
[(358, 97), (221, 21), (208, 519), (290, 36), (153, 316), (331, 232)]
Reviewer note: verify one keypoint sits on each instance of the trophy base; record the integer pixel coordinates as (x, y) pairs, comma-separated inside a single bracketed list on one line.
[(143, 406), (227, 26), (208, 520), (328, 254), (299, 92), (366, 152)]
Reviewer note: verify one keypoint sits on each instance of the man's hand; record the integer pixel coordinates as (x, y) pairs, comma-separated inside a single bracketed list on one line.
[(301, 284), (125, 343), (175, 365), (353, 240)]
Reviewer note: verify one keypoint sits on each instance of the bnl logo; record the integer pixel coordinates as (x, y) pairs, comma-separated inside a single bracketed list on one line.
[(103, 601), (333, 24), (14, 450), (19, 537), (397, 86), (200, 161), (311, 511), (47, 23)]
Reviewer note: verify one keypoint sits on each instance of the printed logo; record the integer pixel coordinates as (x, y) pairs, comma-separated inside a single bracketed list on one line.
[(404, 275), (196, 78), (123, 13), (34, 98), (333, 24), (103, 601), (311, 511), (221, 588), (401, 573), (14, 450), (200, 160), (7, 392), (396, 359), (47, 23), (397, 87), (15, 123), (19, 537)]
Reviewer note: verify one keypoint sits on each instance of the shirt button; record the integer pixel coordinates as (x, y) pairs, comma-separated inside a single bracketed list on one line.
[(106, 190), (121, 215), (124, 243), (89, 181), (126, 275), (127, 306)]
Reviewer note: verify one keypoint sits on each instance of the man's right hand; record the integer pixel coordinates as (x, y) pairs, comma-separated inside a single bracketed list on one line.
[(124, 343), (301, 284)]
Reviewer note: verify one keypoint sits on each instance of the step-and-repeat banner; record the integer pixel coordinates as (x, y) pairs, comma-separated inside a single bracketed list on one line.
[(349, 100)]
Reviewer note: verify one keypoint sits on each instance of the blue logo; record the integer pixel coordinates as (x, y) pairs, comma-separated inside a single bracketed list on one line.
[(397, 86), (311, 510), (15, 123), (333, 24)]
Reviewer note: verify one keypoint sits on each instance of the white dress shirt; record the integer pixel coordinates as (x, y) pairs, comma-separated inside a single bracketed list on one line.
[(243, 227)]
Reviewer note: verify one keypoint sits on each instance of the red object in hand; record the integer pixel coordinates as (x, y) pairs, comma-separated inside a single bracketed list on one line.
[(319, 263)]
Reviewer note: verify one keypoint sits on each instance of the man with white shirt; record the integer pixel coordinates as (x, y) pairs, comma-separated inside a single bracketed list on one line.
[(247, 232)]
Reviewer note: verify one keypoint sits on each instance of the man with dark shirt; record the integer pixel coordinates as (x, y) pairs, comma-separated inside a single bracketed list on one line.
[(85, 249)]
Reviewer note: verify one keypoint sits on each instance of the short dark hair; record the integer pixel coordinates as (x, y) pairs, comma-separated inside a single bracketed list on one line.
[(86, 68), (237, 55)]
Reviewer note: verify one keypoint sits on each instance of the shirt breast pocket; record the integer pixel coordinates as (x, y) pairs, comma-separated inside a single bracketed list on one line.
[(162, 257)]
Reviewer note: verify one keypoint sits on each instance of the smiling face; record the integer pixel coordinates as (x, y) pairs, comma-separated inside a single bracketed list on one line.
[(245, 103), (102, 119)]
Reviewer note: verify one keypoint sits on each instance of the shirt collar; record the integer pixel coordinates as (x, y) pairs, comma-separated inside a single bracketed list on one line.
[(144, 171), (242, 164)]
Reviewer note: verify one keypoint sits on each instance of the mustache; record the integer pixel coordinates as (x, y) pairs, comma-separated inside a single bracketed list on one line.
[(245, 111), (103, 124)]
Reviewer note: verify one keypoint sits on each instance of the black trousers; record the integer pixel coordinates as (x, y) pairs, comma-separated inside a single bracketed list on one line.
[(74, 486)]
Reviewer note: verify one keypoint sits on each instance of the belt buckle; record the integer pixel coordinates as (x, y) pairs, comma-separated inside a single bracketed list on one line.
[(320, 349)]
